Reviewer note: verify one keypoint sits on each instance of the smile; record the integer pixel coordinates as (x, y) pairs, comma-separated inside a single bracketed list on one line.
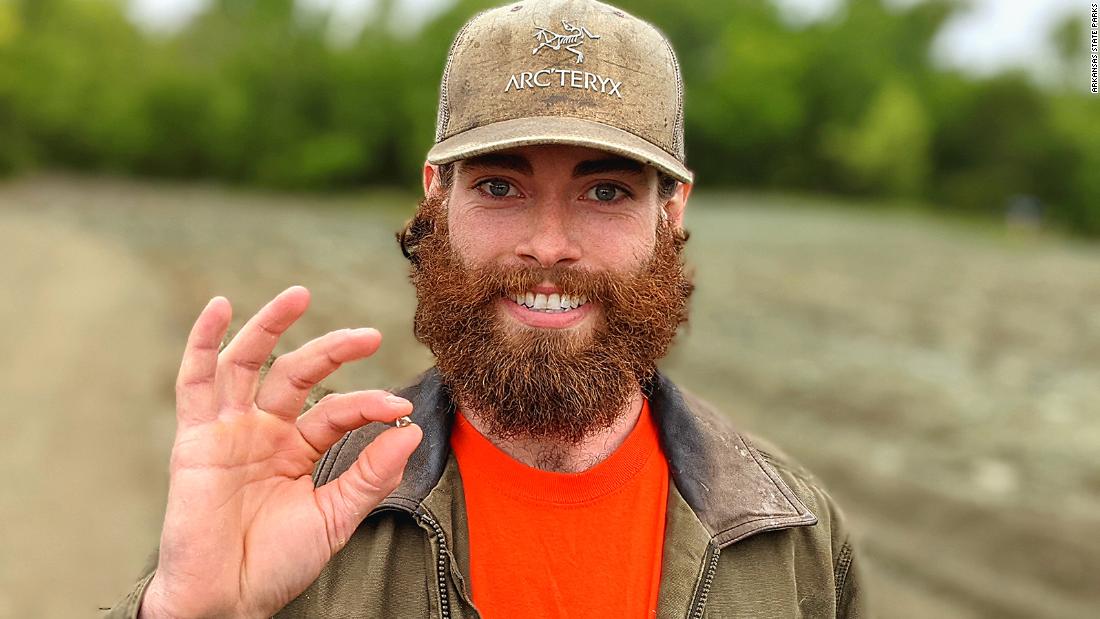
[(551, 304), (548, 310)]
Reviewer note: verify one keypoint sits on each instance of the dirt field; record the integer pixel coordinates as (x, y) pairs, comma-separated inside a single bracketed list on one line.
[(943, 381)]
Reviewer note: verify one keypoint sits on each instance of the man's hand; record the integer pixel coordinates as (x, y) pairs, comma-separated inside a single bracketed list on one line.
[(245, 530)]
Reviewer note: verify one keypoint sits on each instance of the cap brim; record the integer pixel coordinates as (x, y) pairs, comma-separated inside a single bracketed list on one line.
[(556, 130)]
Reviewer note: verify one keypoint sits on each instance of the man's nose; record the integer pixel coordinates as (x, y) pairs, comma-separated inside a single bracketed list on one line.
[(551, 238)]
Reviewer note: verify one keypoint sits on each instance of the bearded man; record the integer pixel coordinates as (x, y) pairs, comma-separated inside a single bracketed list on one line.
[(543, 467)]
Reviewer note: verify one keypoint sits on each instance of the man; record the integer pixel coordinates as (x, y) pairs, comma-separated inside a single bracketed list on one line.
[(550, 470)]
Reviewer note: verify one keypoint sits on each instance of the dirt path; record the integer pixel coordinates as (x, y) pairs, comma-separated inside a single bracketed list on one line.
[(81, 503)]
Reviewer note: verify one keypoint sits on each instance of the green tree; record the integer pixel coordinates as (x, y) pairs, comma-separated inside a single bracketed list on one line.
[(887, 151)]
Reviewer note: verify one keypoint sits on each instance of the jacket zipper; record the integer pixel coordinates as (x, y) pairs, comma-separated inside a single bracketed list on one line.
[(442, 556), (704, 587)]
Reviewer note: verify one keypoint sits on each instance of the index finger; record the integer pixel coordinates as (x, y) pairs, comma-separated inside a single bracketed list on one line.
[(240, 362)]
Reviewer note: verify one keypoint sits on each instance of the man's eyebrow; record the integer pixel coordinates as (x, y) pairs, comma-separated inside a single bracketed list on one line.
[(610, 164), (517, 163)]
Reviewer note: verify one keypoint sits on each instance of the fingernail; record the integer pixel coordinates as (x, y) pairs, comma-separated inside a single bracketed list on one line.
[(397, 400)]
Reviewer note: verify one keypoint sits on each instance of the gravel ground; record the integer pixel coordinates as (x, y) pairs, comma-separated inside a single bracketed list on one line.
[(941, 380)]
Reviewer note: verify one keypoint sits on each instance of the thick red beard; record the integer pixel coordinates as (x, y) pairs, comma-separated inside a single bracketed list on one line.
[(543, 384)]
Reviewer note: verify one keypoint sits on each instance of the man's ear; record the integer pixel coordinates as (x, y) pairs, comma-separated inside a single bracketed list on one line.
[(674, 208), (430, 174)]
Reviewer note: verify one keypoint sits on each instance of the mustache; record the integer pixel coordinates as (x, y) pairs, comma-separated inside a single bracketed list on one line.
[(486, 283)]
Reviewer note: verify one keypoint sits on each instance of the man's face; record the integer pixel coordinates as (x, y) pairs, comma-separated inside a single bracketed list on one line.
[(550, 284), (553, 207)]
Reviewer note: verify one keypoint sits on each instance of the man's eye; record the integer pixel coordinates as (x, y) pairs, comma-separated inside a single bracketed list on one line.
[(605, 192), (498, 188)]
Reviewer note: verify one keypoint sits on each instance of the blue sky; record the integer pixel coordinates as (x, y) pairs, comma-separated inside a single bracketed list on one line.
[(991, 35)]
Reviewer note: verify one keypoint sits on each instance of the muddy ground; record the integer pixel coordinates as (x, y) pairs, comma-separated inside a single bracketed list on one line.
[(942, 380)]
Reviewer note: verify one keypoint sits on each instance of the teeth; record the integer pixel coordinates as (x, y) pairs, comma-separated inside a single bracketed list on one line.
[(553, 302)]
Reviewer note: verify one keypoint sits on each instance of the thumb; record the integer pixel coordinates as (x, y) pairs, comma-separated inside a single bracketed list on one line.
[(348, 499)]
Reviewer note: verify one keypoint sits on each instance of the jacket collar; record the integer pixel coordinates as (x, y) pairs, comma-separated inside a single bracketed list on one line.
[(732, 490), (724, 480)]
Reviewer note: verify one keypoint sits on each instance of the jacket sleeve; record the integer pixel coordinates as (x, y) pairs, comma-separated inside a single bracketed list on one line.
[(850, 595), (851, 601), (130, 604)]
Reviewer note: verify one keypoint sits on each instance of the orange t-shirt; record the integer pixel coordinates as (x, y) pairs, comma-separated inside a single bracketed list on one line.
[(546, 544)]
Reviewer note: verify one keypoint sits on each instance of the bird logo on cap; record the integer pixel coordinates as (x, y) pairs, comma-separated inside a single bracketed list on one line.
[(575, 37)]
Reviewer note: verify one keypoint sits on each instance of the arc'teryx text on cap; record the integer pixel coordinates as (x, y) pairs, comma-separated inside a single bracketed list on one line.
[(565, 78)]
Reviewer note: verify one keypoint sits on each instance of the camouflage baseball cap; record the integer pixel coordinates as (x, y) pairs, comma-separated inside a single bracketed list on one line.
[(562, 72)]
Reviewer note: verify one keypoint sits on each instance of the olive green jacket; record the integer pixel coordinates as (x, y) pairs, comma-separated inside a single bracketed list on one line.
[(747, 534)]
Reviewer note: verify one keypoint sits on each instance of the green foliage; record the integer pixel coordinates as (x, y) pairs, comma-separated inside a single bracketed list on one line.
[(254, 91), (886, 152), (1074, 123), (14, 146)]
